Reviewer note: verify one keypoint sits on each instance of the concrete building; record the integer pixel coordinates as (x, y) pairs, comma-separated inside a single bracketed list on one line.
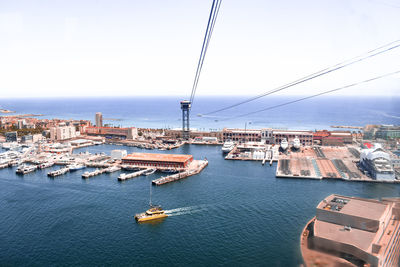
[(332, 141), (158, 160), (62, 132), (360, 231), (111, 132), (376, 162), (99, 119), (11, 137)]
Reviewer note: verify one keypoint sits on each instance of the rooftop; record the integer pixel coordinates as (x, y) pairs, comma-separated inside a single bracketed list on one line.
[(365, 208), (158, 157)]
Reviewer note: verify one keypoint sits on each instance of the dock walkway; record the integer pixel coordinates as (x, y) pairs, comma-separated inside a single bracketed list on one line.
[(181, 175)]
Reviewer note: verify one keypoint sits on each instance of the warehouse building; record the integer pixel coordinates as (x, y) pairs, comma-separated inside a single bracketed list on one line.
[(158, 160)]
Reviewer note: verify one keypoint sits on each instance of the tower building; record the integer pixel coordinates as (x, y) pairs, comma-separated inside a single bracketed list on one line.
[(99, 119)]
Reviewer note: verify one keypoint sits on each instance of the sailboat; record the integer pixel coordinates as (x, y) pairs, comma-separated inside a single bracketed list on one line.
[(155, 212)]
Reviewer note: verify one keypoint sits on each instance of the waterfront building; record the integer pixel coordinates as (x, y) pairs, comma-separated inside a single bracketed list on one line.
[(353, 230), (99, 119), (388, 132), (11, 136), (305, 137), (241, 135), (113, 132), (194, 133), (332, 141), (377, 163), (158, 160)]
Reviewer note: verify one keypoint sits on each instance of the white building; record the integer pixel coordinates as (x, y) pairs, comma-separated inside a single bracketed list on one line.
[(62, 132), (377, 163), (118, 154)]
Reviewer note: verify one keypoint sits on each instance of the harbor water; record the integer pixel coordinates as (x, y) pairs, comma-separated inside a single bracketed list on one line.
[(234, 213)]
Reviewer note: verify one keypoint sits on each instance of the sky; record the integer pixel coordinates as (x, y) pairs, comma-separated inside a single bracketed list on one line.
[(127, 48)]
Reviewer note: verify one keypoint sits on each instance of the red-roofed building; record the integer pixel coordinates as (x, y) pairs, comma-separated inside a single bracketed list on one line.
[(158, 160)]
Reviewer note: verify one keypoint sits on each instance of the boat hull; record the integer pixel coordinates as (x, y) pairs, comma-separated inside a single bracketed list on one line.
[(146, 218)]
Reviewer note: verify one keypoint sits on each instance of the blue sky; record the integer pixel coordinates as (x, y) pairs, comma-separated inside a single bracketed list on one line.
[(84, 48)]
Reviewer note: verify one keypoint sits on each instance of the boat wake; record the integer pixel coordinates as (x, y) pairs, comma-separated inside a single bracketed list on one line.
[(186, 210)]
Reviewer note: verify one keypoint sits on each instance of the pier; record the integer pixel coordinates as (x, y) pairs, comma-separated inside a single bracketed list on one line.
[(126, 176), (197, 167)]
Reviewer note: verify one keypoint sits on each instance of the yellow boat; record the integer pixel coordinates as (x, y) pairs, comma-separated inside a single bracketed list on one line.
[(154, 213)]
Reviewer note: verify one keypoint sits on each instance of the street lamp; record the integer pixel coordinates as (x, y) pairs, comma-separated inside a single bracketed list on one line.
[(245, 131)]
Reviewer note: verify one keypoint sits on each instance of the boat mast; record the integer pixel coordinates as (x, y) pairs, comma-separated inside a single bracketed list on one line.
[(150, 195)]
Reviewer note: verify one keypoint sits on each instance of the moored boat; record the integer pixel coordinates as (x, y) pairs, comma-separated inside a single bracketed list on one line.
[(24, 169), (75, 167), (228, 146), (284, 144), (296, 143), (149, 172)]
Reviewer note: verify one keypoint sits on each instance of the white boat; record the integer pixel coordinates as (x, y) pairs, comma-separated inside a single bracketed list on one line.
[(24, 169), (296, 143), (149, 172), (284, 144), (228, 146), (75, 167), (58, 172), (113, 169), (46, 165)]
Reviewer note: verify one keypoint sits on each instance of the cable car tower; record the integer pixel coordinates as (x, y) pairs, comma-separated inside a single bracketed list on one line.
[(187, 104)]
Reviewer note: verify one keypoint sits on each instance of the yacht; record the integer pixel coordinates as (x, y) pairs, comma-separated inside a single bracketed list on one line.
[(45, 165), (75, 167), (228, 146), (58, 172), (149, 172), (24, 169), (169, 171), (296, 143), (284, 144)]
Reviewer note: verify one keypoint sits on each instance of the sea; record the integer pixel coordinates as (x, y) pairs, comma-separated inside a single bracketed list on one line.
[(234, 213)]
